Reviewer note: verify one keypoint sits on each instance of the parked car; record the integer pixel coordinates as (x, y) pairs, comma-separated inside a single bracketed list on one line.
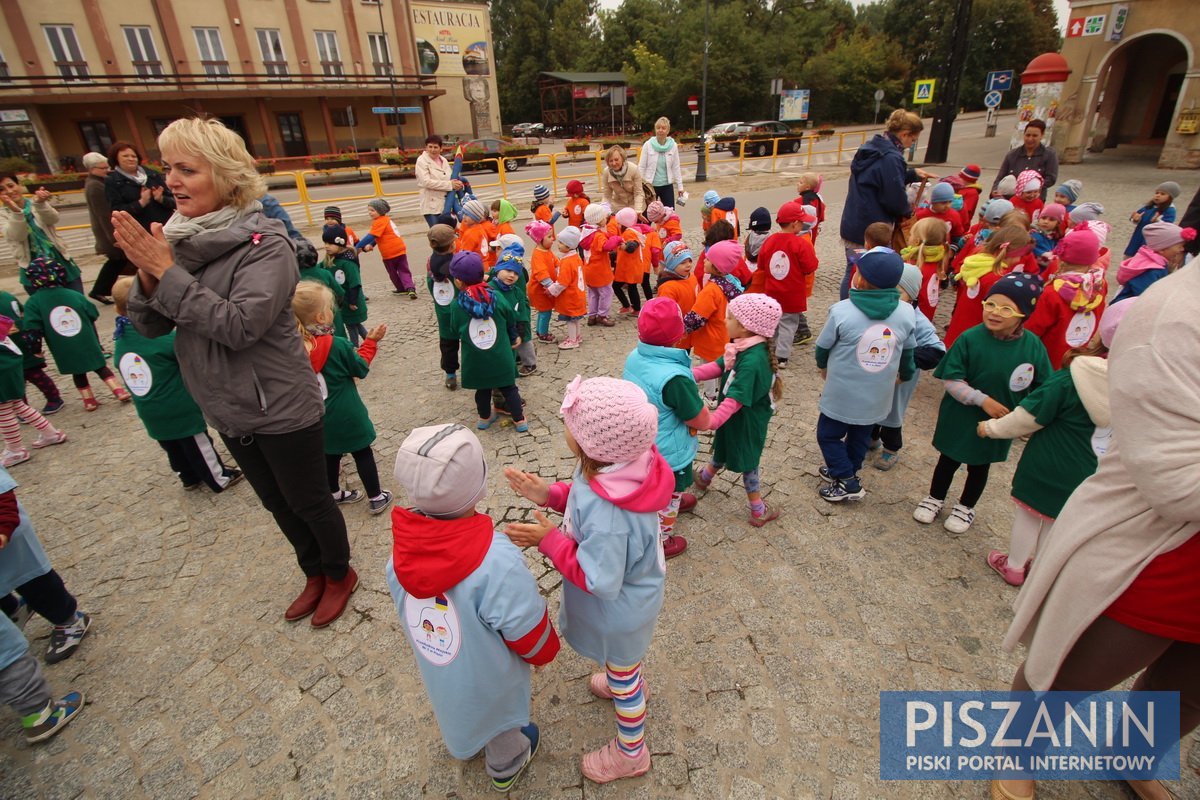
[(492, 148), (765, 130), (724, 129), (529, 129)]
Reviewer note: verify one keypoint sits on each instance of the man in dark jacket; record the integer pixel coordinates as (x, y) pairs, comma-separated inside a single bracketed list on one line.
[(1031, 155), (100, 214)]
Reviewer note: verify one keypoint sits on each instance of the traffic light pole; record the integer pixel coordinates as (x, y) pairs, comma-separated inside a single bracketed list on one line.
[(702, 155), (938, 148)]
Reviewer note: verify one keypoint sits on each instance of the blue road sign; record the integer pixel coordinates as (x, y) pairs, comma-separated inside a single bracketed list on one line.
[(396, 110), (992, 99), (1000, 81)]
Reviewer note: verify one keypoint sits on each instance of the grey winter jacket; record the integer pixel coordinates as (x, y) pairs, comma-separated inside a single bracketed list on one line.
[(239, 350)]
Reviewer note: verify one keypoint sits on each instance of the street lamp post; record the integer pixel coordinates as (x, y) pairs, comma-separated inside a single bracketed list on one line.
[(391, 74), (702, 156)]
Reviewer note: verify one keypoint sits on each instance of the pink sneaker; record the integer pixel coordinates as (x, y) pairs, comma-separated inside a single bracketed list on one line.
[(609, 764), (11, 458), (58, 437), (569, 344), (598, 685), (999, 562)]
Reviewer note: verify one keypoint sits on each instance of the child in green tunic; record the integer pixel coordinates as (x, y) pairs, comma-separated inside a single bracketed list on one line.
[(989, 369), (66, 319), (342, 261), (347, 427), (14, 407), (512, 287), (487, 329), (171, 417), (749, 387), (1069, 427), (442, 290), (34, 363), (311, 270)]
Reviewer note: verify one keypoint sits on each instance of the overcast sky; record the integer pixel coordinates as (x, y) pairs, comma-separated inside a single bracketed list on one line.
[(1062, 5)]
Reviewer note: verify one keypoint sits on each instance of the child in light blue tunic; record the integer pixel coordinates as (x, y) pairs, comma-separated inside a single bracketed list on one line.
[(608, 551), (468, 604), (888, 437)]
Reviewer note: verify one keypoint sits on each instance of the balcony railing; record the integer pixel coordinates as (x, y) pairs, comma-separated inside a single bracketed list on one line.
[(135, 84)]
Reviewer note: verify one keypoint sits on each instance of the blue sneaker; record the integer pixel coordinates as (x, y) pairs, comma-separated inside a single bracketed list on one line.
[(843, 489), (886, 460), (503, 785), (65, 639), (52, 407), (57, 714), (523, 427)]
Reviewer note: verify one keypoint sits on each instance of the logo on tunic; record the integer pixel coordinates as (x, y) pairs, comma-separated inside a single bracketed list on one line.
[(323, 386), (483, 333), (136, 374), (433, 627), (1081, 328), (1102, 440), (875, 348), (443, 292), (65, 321), (339, 275), (780, 265), (1021, 377)]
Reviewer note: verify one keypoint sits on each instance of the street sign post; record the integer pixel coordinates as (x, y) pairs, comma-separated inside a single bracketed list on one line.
[(992, 99), (923, 91), (694, 107), (878, 98), (395, 110), (1000, 80)]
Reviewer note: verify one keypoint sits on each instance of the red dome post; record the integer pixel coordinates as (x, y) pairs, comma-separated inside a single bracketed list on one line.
[(1041, 88)]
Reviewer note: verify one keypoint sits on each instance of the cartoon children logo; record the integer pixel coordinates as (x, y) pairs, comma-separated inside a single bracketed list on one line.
[(433, 625), (780, 265), (875, 348), (933, 292), (323, 386), (65, 321), (1081, 328), (973, 291), (339, 275), (1102, 440), (443, 293), (483, 333), (136, 374), (1021, 377)]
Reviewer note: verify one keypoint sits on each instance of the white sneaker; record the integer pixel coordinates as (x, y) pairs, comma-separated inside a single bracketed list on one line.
[(960, 519), (49, 440), (928, 510)]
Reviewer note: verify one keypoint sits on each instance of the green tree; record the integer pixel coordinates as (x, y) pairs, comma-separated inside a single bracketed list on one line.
[(844, 79), (653, 85), (521, 49), (573, 29)]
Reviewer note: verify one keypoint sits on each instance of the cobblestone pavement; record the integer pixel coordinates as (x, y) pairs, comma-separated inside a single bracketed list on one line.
[(767, 664)]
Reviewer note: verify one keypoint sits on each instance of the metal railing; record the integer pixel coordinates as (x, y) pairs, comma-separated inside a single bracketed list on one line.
[(319, 188)]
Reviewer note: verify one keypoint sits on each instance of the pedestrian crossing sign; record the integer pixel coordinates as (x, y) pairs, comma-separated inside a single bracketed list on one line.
[(923, 93)]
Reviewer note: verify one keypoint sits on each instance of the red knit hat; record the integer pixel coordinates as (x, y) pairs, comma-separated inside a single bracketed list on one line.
[(661, 322), (574, 187), (970, 173)]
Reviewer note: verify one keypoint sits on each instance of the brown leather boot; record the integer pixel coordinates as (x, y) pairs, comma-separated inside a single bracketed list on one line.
[(306, 603), (333, 602)]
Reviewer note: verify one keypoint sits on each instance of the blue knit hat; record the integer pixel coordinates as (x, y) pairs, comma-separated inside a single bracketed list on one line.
[(711, 198), (760, 220), (540, 192), (882, 267), (674, 254), (942, 193), (1069, 189)]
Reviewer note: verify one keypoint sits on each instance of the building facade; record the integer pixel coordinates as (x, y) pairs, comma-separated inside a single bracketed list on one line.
[(293, 77), (1134, 81)]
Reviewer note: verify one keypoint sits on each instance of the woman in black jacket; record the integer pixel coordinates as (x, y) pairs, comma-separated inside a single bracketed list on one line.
[(133, 188)]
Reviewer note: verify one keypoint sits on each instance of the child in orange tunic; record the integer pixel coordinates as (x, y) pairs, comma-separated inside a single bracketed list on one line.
[(630, 266), (472, 232), (569, 299), (543, 271), (674, 282), (386, 236), (598, 271), (542, 208), (706, 321), (577, 203), (665, 221)]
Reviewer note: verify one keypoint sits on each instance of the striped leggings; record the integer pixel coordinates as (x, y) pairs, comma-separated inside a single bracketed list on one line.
[(10, 429), (629, 698)]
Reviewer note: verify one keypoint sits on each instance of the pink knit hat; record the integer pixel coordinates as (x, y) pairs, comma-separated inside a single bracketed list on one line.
[(725, 256), (1080, 246), (627, 217), (1055, 211), (1161, 235), (1112, 318), (661, 322), (1029, 181), (611, 419), (656, 211), (537, 230), (758, 313)]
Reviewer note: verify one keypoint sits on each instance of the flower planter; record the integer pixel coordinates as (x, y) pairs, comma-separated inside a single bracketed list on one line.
[(509, 152), (607, 143), (338, 163), (582, 147), (58, 185), (265, 169)]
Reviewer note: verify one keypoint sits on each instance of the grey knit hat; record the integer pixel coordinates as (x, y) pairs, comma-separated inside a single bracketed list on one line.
[(1170, 187), (442, 469), (380, 205), (475, 210)]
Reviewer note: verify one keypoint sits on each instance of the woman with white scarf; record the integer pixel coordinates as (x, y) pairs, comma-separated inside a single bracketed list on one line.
[(659, 163), (221, 274), (133, 188), (622, 182)]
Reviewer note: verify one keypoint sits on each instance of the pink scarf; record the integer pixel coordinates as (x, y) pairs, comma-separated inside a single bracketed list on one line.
[(740, 345)]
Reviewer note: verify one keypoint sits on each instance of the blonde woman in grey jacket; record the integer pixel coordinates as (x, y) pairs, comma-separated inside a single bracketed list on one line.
[(221, 275)]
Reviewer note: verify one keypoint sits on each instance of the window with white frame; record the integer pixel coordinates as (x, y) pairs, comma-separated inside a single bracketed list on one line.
[(271, 46), (212, 52), (381, 54), (328, 53), (68, 57), (142, 51)]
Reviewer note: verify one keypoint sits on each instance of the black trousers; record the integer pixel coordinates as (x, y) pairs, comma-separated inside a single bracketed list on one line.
[(449, 348), (45, 595), (666, 194), (194, 459), (108, 275), (368, 473), (512, 402), (287, 471), (892, 438), (943, 476), (646, 289), (632, 301)]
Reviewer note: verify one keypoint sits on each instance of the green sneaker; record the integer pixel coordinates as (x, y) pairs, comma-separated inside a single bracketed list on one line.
[(57, 714), (503, 785)]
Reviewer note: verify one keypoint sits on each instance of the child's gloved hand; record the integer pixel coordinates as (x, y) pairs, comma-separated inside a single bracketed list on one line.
[(529, 534), (377, 333), (631, 247), (528, 485)]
